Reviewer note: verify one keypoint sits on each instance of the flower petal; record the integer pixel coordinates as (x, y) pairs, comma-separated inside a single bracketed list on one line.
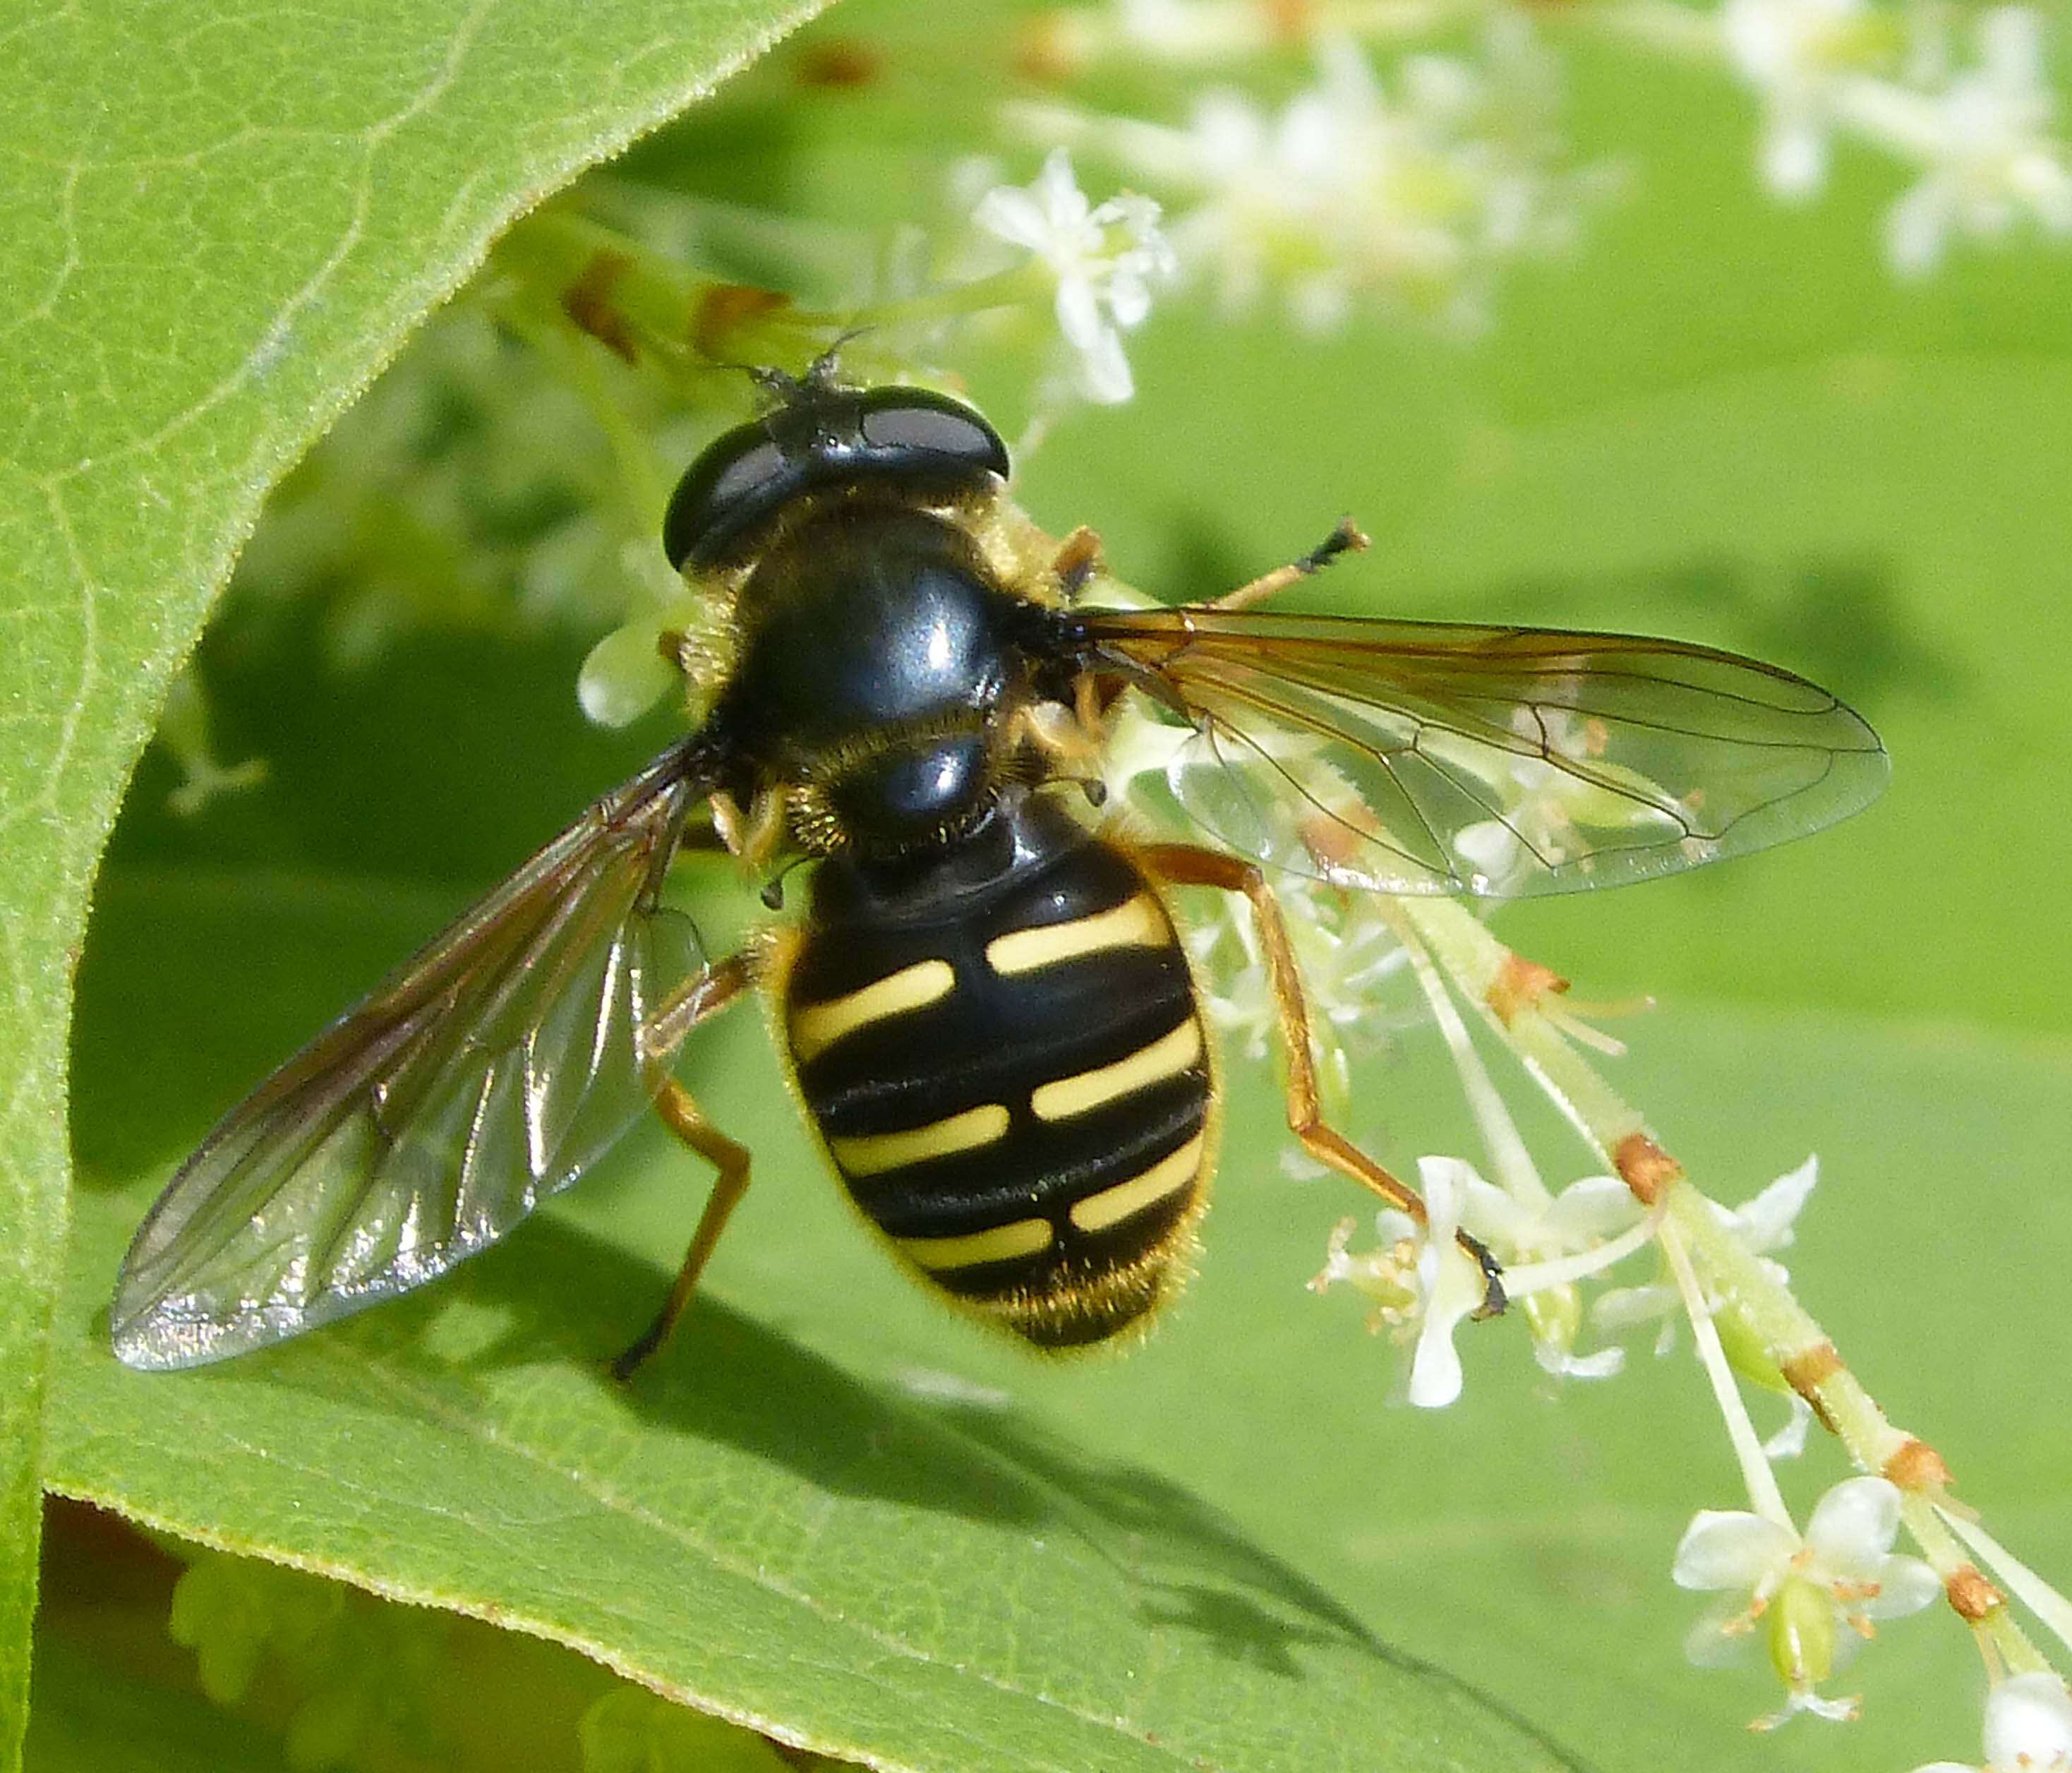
[(1013, 214), (2011, 46), (1854, 1524), (1494, 1214), (1906, 1585), (1392, 1226), (1605, 1363), (1917, 227), (1794, 156), (1764, 1222), (2028, 1723), (1435, 1367), (1453, 1286), (1443, 1183), (1065, 205), (1621, 1307), (1719, 1638), (1104, 374), (1129, 298), (1789, 1441), (1730, 1548), (1591, 1210), (1079, 314)]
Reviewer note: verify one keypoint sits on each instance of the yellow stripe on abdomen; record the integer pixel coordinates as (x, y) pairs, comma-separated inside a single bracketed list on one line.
[(1125, 1199), (995, 1243), (873, 1153), (1165, 1057), (1138, 923), (818, 1026)]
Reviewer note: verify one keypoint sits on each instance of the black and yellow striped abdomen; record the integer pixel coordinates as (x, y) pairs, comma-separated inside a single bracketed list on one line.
[(999, 1043)]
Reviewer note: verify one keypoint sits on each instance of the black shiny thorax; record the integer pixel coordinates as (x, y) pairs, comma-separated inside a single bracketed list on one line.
[(876, 660), (871, 614)]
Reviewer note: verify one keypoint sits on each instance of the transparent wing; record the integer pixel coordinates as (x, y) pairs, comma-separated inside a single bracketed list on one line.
[(1415, 757), (484, 1075)]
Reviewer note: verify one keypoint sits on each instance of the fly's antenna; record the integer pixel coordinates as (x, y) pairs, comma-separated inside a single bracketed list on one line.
[(823, 375), (824, 372)]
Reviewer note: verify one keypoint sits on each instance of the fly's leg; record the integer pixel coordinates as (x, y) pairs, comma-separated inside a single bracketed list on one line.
[(1347, 538), (703, 997), (1078, 560), (1187, 865), (683, 1117)]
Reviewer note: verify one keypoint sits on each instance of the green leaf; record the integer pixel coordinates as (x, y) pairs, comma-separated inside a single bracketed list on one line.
[(218, 225), (1723, 421), (836, 1510), (87, 1720), (801, 1517)]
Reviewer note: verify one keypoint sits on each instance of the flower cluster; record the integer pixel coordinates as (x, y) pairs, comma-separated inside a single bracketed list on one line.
[(1103, 258), (1805, 1599), (1350, 193), (1978, 133)]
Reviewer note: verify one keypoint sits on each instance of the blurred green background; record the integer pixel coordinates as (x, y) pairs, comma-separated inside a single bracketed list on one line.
[(1719, 419)]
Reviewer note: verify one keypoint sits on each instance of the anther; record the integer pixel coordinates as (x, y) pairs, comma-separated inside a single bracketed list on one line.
[(1645, 1167), (1520, 985), (1917, 1466), (1972, 1596)]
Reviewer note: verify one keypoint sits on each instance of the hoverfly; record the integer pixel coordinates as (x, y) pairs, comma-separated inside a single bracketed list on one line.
[(985, 1009)]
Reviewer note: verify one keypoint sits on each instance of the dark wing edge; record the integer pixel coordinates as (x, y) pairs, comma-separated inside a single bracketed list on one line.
[(484, 1075), (1407, 757)]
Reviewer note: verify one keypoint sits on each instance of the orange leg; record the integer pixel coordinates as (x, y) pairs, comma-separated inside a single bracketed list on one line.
[(1186, 864), (704, 996)]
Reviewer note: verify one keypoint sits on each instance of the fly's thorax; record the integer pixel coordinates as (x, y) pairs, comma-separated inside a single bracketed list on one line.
[(999, 1043), (879, 663)]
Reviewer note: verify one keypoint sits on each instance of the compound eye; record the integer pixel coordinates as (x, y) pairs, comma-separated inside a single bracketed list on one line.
[(740, 477), (820, 438), (919, 428)]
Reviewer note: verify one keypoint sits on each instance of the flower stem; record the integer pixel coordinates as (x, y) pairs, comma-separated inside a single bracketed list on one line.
[(1757, 1476), (2038, 1596), (1508, 1156)]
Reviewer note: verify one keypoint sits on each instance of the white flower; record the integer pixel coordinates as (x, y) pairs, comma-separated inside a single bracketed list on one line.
[(1764, 1223), (1794, 53), (1582, 1218), (2028, 1729), (1348, 191), (1990, 158), (1105, 259), (1420, 1276), (1843, 1572)]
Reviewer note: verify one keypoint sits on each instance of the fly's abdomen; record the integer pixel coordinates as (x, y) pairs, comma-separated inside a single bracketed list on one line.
[(1010, 1072)]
